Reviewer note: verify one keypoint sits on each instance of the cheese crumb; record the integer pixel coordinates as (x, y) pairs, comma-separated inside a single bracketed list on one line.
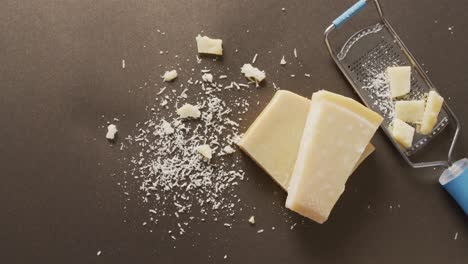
[(283, 61), (205, 151), (111, 131), (295, 53), (253, 73), (188, 110), (99, 253), (169, 75), (207, 77), (123, 64), (260, 231), (252, 220), (209, 46), (168, 129), (229, 150)]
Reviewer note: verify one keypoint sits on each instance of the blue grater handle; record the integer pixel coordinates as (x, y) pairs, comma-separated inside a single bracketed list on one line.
[(455, 181), (349, 13)]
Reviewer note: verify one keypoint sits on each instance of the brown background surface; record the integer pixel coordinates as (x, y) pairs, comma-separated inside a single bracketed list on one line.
[(60, 71)]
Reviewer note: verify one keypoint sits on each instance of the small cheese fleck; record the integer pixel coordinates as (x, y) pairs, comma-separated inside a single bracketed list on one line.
[(433, 106), (283, 61), (400, 80), (252, 220), (254, 58), (209, 46), (403, 133), (168, 129), (260, 231), (99, 253), (295, 53), (410, 111), (123, 64), (169, 75), (207, 77), (188, 110), (229, 150), (111, 131), (253, 73), (205, 151)]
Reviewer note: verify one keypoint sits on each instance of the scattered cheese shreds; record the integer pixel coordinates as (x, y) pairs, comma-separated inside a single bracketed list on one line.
[(188, 110), (208, 45), (253, 73), (252, 220), (169, 75), (205, 151), (111, 131)]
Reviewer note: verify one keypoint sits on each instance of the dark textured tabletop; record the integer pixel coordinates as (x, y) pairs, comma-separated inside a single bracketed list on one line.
[(61, 80)]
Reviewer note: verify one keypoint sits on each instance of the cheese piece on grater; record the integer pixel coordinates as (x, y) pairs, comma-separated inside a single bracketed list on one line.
[(431, 112), (273, 139), (336, 133)]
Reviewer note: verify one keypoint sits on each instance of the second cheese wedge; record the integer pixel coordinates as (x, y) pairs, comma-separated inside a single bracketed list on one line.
[(336, 133), (273, 139)]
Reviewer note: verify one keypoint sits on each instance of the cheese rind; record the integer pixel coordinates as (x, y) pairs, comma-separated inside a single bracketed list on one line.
[(335, 136), (433, 106), (403, 133), (208, 45), (400, 80), (410, 111)]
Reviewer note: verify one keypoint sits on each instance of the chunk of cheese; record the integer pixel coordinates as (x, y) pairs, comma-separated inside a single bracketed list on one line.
[(253, 73), (403, 133), (410, 111), (169, 75), (400, 80), (433, 105), (208, 45), (205, 151), (273, 139), (335, 136), (111, 131), (188, 110)]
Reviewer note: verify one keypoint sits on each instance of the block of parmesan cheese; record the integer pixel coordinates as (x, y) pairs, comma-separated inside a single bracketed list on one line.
[(273, 139), (433, 106), (336, 134)]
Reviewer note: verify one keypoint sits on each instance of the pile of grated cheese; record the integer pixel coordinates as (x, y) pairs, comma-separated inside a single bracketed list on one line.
[(174, 180)]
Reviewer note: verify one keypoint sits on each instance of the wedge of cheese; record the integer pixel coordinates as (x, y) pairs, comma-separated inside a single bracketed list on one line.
[(273, 139), (410, 111), (335, 136), (433, 106)]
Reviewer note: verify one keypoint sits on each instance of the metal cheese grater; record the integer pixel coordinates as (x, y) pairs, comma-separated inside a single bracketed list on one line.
[(363, 59)]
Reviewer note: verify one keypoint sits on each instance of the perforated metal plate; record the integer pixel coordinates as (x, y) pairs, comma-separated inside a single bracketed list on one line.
[(365, 58)]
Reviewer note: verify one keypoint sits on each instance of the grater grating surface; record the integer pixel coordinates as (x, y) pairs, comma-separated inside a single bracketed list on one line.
[(365, 58)]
